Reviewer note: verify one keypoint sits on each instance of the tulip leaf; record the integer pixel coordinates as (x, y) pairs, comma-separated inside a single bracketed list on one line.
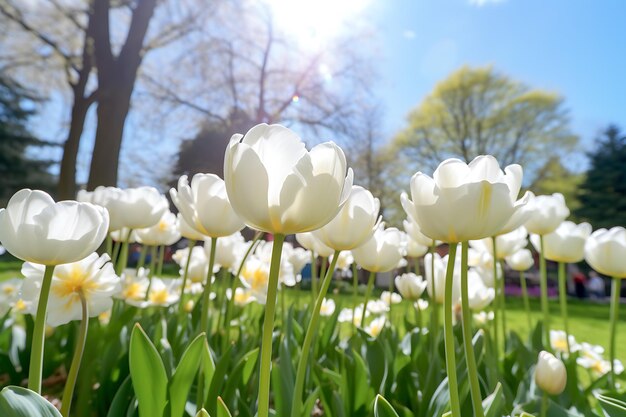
[(612, 406), (222, 409), (183, 376), (382, 408), (202, 413), (148, 374), (493, 403), (122, 399), (22, 402)]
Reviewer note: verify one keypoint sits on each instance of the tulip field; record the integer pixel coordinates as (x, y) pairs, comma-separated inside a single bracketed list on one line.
[(288, 295)]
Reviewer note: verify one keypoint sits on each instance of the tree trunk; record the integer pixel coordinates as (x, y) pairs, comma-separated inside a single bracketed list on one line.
[(112, 111), (116, 81), (67, 174)]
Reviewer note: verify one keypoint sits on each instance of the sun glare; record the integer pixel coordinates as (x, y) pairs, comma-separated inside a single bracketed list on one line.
[(313, 22)]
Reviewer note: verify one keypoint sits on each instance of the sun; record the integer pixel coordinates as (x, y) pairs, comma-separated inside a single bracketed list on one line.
[(312, 23)]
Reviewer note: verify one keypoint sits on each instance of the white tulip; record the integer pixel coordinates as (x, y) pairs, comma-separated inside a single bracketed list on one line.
[(550, 373), (566, 244), (547, 213), (521, 260), (605, 251), (410, 285), (382, 252)]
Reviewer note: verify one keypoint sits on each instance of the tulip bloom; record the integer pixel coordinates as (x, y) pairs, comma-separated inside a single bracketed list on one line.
[(565, 244), (550, 374), (382, 252), (164, 232), (134, 208), (410, 286), (605, 251), (547, 213), (36, 229), (278, 187), (506, 244), (464, 201)]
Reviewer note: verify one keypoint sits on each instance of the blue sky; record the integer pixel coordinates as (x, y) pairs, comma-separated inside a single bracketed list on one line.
[(576, 48)]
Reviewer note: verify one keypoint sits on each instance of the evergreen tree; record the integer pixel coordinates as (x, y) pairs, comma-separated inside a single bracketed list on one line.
[(603, 193), (17, 169)]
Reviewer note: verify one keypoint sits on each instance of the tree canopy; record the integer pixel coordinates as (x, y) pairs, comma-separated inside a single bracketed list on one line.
[(603, 192), (477, 111), (17, 168)]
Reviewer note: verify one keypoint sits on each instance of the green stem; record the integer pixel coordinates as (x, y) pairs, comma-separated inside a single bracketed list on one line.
[(563, 302), (116, 252), (323, 268), (522, 281), (151, 272), (497, 307), (233, 288), (503, 307), (181, 303), (159, 270), (123, 257), (368, 292), (417, 266), (70, 383), (268, 328), (615, 300), (313, 276), (434, 320), (206, 295), (355, 289), (311, 331), (222, 287), (390, 298), (455, 405), (108, 244), (543, 280), (142, 258), (472, 368), (204, 320), (544, 404), (39, 332)]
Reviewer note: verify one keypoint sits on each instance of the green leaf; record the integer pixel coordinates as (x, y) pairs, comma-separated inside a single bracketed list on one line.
[(612, 406), (22, 402), (202, 413), (493, 403), (148, 374), (184, 374), (122, 399), (222, 409), (208, 367), (382, 408)]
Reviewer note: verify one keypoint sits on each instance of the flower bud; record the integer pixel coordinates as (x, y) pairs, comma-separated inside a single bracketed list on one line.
[(550, 373)]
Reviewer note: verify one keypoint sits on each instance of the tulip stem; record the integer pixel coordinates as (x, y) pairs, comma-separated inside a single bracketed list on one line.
[(434, 320), (417, 266), (116, 252), (472, 368), (233, 287), (503, 307), (455, 405), (160, 260), (204, 318), (181, 303), (313, 276), (615, 300), (142, 259), (543, 280), (36, 352), (268, 328), (544, 404), (563, 301), (108, 245), (70, 383), (368, 292), (355, 289), (311, 331), (123, 256), (522, 281), (390, 297), (153, 256), (323, 268), (497, 304)]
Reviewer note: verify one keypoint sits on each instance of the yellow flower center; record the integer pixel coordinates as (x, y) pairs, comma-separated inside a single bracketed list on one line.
[(162, 226), (257, 279), (158, 296), (375, 330), (74, 282), (132, 291), (560, 344), (20, 305), (8, 290)]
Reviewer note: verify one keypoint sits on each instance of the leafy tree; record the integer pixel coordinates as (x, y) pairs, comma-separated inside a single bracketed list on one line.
[(17, 169), (479, 111), (603, 192), (553, 177)]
